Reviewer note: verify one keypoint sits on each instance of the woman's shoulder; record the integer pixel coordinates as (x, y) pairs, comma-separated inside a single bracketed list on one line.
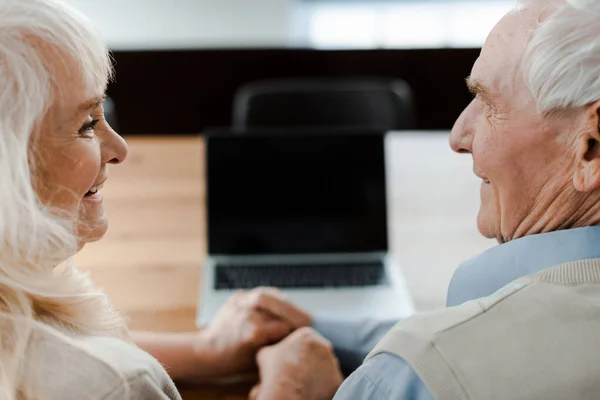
[(95, 367)]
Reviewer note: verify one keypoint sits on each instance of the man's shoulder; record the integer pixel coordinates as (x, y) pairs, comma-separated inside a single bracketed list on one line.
[(420, 332), (505, 337), (390, 373), (430, 324), (89, 367)]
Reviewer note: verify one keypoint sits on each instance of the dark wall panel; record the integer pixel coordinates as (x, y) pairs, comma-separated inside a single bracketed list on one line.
[(158, 92)]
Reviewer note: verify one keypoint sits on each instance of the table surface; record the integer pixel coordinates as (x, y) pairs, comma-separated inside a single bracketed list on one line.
[(151, 258)]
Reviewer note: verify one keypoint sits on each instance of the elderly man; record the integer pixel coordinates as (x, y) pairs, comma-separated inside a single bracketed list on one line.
[(524, 317)]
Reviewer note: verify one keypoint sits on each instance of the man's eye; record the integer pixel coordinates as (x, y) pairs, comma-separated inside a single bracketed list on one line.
[(484, 103), (88, 127)]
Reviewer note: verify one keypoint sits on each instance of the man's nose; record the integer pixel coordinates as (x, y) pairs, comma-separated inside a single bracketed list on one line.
[(461, 136)]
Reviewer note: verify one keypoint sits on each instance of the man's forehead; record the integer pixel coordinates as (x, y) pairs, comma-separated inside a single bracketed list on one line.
[(500, 60)]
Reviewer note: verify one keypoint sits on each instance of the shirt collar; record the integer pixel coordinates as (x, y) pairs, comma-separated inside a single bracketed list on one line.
[(488, 272)]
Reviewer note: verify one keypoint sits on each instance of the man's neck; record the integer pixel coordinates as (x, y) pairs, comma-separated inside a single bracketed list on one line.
[(567, 210)]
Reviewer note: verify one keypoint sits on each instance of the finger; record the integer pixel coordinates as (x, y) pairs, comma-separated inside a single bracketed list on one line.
[(273, 331), (265, 301), (254, 392), (237, 297), (311, 338), (266, 357), (268, 330), (311, 334), (273, 291)]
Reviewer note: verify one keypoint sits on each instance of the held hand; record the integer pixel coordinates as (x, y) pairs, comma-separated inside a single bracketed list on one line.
[(248, 321), (302, 366)]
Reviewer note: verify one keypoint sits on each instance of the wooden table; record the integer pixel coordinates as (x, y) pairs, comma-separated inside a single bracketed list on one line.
[(150, 260)]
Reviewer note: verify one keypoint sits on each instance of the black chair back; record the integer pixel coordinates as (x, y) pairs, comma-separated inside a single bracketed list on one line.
[(312, 102)]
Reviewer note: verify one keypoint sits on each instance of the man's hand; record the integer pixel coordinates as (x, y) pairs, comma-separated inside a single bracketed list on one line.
[(302, 366), (248, 321)]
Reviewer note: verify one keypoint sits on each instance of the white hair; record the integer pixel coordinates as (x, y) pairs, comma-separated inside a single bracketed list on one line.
[(34, 238), (562, 59)]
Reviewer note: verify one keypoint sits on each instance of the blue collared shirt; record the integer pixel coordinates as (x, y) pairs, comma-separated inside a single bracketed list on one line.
[(387, 376)]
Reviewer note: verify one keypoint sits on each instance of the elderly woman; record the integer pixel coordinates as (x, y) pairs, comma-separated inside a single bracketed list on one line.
[(60, 337)]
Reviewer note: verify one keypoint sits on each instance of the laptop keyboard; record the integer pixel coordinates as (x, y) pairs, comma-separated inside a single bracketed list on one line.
[(322, 275)]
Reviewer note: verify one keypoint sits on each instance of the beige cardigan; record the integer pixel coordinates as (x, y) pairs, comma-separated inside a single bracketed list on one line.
[(537, 338), (93, 368)]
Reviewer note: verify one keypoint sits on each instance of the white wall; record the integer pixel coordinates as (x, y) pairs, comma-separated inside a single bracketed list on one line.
[(408, 24), (148, 24), (141, 24)]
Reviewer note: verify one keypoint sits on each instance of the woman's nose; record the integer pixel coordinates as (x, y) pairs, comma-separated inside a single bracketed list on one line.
[(114, 147)]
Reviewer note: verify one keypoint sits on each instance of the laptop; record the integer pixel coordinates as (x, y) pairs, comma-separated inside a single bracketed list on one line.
[(304, 211)]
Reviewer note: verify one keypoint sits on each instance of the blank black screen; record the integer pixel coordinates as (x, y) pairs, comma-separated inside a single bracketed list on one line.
[(296, 194)]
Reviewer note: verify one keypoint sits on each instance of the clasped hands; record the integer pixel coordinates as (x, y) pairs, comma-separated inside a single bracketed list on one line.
[(261, 329)]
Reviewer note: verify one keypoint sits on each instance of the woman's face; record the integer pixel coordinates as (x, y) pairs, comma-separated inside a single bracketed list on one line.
[(73, 148)]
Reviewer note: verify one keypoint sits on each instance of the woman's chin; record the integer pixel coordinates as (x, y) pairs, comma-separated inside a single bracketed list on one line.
[(88, 233)]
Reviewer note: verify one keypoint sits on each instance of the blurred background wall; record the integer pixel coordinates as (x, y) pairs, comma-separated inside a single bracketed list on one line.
[(152, 24), (180, 62)]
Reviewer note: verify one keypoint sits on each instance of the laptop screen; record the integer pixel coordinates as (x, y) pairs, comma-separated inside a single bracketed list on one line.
[(296, 194)]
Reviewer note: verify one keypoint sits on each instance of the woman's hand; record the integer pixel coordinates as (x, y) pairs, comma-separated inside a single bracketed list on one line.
[(247, 322), (302, 366)]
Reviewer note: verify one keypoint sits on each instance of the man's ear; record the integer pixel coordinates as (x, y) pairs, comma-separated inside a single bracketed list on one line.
[(587, 172)]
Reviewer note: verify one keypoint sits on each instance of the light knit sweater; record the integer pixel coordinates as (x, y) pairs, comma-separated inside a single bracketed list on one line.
[(537, 338), (61, 367)]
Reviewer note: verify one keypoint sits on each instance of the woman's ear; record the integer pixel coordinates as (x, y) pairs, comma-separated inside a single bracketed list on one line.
[(587, 172)]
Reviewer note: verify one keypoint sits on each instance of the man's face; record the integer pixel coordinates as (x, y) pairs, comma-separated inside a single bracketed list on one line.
[(523, 162)]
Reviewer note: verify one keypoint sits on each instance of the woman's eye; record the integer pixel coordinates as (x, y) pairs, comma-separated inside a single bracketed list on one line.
[(88, 127)]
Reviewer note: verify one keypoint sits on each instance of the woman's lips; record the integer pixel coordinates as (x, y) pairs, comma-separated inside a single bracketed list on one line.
[(94, 193), (93, 197), (94, 189)]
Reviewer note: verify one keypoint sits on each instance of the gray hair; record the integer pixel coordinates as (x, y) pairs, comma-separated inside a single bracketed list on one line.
[(562, 60)]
